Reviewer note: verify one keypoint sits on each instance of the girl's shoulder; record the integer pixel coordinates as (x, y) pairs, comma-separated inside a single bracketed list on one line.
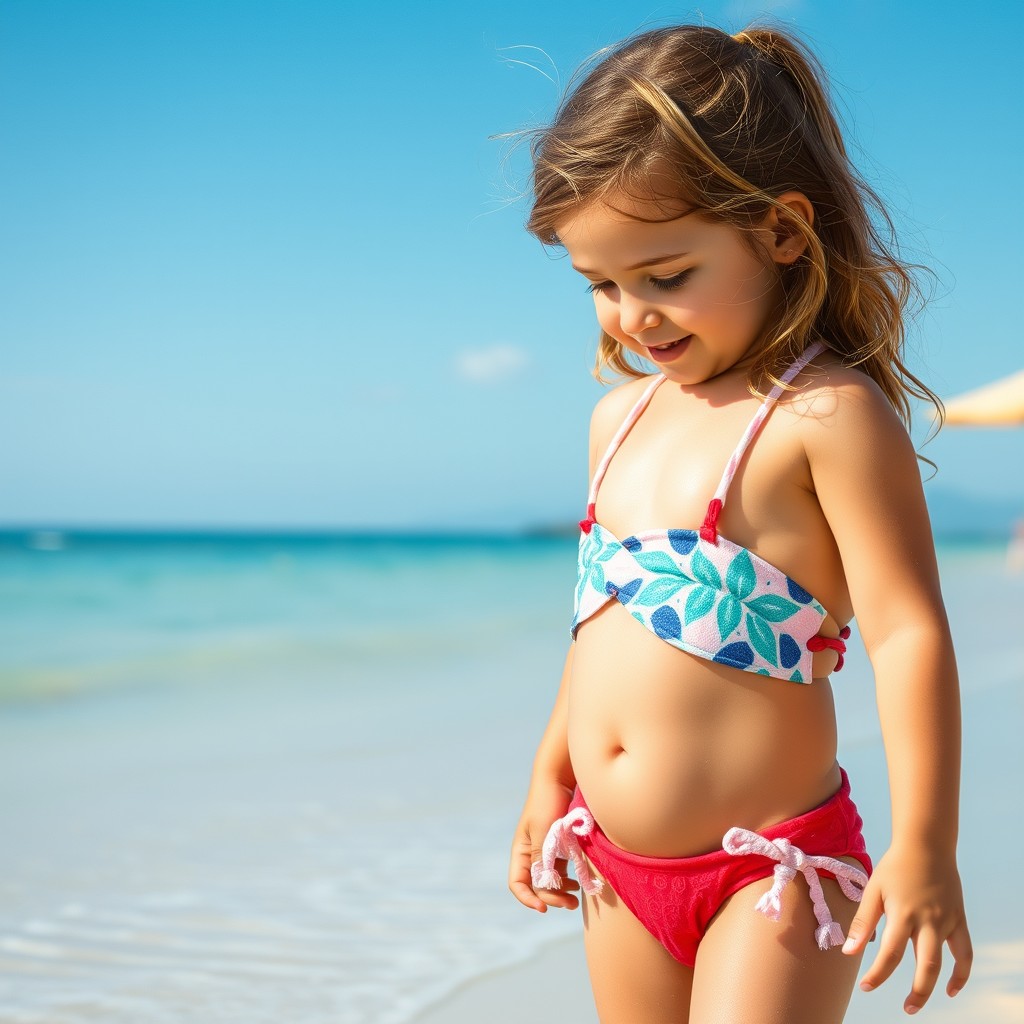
[(611, 411), (835, 404), (614, 406)]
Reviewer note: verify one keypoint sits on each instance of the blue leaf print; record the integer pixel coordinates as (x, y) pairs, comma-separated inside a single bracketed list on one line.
[(666, 623), (700, 602), (739, 655), (763, 639), (740, 577), (797, 592), (789, 651), (627, 590), (729, 613), (631, 544), (772, 607), (657, 561), (683, 541), (705, 571), (659, 592)]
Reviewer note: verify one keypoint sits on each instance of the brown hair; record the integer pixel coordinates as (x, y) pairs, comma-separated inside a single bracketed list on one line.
[(727, 124)]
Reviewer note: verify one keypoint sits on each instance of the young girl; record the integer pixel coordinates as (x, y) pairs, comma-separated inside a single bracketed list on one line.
[(745, 501)]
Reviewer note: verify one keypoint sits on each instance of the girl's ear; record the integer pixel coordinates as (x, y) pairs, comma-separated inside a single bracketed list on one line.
[(786, 242)]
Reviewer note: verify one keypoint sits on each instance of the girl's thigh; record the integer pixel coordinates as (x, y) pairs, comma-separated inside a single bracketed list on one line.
[(633, 976), (750, 968)]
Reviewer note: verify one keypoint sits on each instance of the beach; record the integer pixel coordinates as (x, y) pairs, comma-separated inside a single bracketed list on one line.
[(255, 778)]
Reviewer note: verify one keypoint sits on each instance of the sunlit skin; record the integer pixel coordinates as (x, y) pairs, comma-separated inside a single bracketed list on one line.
[(672, 750)]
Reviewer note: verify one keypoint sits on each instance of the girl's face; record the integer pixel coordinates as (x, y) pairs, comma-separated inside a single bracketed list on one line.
[(687, 294)]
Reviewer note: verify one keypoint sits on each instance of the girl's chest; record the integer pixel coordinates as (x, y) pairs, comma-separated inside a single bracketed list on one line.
[(668, 469)]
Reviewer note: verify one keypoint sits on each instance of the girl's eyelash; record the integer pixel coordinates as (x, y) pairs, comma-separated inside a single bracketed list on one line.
[(664, 284), (667, 284)]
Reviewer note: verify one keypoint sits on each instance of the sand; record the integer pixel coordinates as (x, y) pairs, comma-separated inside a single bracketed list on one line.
[(554, 987)]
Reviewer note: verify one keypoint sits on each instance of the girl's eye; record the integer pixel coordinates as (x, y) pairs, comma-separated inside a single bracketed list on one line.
[(668, 284), (664, 284)]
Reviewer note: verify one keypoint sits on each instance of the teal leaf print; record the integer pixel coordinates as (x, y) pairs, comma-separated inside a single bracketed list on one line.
[(762, 638), (659, 592), (700, 602), (705, 571), (657, 561), (597, 577), (772, 607), (608, 552), (740, 577), (729, 612)]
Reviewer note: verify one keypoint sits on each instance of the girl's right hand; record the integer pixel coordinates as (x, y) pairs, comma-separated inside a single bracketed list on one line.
[(546, 802)]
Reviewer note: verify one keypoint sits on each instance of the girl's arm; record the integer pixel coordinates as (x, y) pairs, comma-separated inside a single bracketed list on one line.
[(553, 781), (551, 788), (868, 484)]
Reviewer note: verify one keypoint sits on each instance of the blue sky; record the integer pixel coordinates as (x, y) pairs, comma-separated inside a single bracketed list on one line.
[(262, 263)]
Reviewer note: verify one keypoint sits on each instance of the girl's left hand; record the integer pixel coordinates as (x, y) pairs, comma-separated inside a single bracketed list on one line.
[(919, 892)]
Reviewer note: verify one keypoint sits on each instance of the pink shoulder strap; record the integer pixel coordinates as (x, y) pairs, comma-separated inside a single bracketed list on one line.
[(613, 447), (709, 531)]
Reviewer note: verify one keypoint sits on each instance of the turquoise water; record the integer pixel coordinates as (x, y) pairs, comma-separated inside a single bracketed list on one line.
[(89, 610), (264, 779), (273, 778)]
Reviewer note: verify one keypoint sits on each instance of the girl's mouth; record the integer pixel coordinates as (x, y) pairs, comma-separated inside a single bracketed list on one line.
[(671, 349)]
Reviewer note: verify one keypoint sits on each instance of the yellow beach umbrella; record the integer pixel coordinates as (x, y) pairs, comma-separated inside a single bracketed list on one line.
[(1000, 404)]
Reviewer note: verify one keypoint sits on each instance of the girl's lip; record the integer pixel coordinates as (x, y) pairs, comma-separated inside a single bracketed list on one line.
[(664, 355)]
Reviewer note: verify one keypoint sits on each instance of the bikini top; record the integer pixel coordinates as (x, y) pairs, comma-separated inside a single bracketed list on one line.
[(697, 590)]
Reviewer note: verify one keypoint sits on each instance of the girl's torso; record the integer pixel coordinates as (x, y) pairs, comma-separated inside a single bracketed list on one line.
[(671, 749)]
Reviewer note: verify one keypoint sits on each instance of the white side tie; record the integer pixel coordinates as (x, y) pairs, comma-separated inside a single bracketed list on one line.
[(791, 860), (562, 842)]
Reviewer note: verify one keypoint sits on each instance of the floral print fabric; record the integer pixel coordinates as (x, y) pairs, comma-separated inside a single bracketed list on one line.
[(715, 600)]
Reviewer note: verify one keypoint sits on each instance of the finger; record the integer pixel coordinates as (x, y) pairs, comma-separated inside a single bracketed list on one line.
[(525, 894), (541, 899), (863, 926), (890, 953), (520, 877), (562, 896), (959, 942), (928, 954), (559, 899)]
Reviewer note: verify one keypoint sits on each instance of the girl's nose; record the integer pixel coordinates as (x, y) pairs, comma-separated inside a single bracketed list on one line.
[(636, 315)]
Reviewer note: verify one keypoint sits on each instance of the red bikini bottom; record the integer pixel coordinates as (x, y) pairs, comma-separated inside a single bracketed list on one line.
[(675, 898)]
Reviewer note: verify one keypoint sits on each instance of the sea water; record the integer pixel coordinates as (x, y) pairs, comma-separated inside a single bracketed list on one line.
[(258, 778)]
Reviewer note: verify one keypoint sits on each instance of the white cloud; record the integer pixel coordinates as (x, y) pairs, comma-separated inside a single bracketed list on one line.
[(491, 364)]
